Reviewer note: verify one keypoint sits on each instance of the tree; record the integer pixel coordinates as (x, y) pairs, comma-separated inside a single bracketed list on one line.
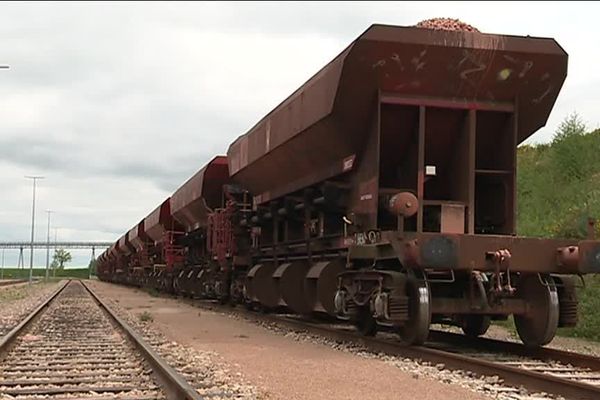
[(559, 183), (60, 258), (571, 152), (571, 126)]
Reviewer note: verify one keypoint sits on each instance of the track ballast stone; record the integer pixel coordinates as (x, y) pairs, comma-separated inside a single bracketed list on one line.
[(74, 351)]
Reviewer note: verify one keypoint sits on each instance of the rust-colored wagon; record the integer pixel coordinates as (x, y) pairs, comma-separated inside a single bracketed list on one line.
[(383, 191)]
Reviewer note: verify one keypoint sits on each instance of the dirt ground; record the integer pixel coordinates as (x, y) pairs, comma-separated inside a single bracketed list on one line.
[(280, 366)]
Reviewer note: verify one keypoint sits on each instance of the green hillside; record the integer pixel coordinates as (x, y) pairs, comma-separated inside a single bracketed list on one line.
[(20, 273), (558, 183), (558, 190)]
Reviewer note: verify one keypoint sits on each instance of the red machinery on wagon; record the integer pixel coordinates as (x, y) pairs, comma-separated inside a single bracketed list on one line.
[(163, 252), (191, 205)]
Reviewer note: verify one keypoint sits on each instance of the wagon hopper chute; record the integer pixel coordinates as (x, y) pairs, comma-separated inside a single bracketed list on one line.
[(162, 230), (194, 205)]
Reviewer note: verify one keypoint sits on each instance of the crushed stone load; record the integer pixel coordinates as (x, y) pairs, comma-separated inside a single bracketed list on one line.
[(446, 24)]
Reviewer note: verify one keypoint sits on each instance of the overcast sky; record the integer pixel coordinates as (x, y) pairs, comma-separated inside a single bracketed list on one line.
[(117, 104)]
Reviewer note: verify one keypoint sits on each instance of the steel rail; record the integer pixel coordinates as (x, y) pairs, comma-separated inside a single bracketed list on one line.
[(7, 339), (12, 282), (511, 375), (541, 353), (174, 384)]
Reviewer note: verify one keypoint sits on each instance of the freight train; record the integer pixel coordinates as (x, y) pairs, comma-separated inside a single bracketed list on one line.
[(382, 193)]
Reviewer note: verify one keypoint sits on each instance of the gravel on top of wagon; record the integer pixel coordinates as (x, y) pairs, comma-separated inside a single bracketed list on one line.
[(446, 24)]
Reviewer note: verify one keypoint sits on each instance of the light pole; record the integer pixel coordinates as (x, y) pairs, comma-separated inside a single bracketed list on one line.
[(2, 269), (35, 178), (55, 236), (48, 245)]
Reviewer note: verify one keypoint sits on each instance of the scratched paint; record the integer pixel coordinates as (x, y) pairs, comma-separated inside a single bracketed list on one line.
[(418, 62), (524, 66), (379, 64), (396, 59), (479, 66), (541, 97)]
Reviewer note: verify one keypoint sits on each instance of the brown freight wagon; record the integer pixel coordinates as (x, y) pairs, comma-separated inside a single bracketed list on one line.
[(383, 191), (398, 161)]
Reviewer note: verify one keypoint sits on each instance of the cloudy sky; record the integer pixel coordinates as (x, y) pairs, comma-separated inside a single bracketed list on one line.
[(117, 104)]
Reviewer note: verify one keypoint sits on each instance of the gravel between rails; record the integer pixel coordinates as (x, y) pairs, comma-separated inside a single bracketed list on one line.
[(73, 349), (17, 302), (201, 369)]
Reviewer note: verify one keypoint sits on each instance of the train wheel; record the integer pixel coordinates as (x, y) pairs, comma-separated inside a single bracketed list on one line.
[(475, 325), (538, 326), (416, 328), (365, 322)]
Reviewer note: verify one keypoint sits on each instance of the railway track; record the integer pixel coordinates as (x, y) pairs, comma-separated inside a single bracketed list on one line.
[(74, 346), (556, 372), (579, 371), (6, 283)]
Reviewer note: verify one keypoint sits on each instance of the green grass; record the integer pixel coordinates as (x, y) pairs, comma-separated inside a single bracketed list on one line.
[(12, 273), (588, 326), (152, 291), (146, 317), (19, 292), (10, 294), (508, 324), (558, 189)]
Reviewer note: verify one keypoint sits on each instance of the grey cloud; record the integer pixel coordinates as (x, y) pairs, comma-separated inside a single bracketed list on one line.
[(38, 154), (53, 156)]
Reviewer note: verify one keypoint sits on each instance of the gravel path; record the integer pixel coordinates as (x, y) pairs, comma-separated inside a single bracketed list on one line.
[(289, 365), (18, 301)]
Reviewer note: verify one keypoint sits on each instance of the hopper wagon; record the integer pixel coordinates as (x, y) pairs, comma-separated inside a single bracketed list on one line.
[(382, 192)]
